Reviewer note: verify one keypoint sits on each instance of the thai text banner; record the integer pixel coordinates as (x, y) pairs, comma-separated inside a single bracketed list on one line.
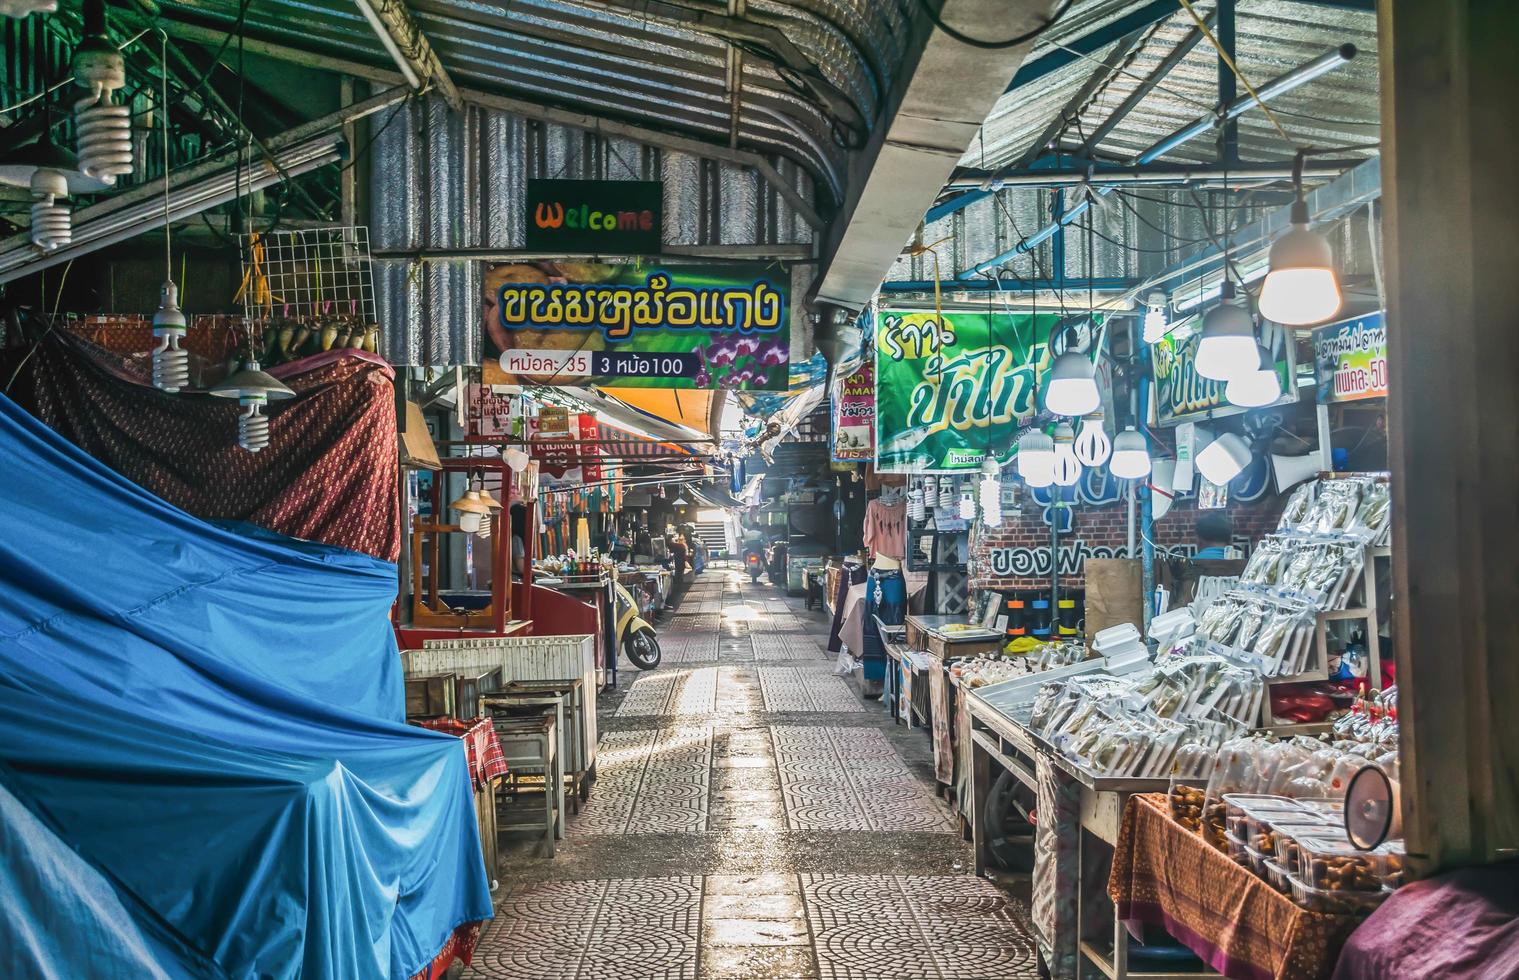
[(580, 324), (1350, 359), (949, 391)]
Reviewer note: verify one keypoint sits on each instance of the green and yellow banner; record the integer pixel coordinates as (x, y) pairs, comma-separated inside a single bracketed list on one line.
[(951, 389)]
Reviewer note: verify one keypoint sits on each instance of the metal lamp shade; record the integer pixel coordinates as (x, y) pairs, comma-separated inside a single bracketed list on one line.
[(1073, 387), (252, 381), (1227, 347), (1301, 287)]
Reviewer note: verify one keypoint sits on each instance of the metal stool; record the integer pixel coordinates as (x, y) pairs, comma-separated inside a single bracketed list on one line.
[(531, 746)]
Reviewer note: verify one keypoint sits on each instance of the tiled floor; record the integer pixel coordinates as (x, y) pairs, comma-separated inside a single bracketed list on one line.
[(753, 818)]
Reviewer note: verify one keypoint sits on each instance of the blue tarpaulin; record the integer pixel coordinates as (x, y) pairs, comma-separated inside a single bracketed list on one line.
[(209, 721)]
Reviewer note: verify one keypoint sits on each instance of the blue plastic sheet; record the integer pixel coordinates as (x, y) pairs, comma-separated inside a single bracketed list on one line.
[(210, 718)]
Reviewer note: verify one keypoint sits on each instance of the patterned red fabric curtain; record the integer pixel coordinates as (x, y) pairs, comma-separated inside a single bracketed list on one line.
[(329, 473)]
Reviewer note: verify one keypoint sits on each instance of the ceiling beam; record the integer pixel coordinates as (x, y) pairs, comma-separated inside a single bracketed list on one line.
[(945, 90), (409, 47), (527, 110)]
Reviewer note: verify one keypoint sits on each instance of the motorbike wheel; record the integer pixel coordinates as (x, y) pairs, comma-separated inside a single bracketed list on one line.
[(643, 650)]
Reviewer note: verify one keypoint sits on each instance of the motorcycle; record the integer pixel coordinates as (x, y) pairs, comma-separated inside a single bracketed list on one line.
[(635, 637), (754, 563)]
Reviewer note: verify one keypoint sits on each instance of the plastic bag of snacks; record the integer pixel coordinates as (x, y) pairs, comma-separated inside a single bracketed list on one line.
[(1234, 771)]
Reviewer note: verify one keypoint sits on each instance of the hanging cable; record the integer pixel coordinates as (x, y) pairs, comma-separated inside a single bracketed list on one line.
[(985, 45)]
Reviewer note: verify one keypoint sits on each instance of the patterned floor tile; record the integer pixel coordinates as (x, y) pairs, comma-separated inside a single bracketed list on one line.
[(786, 646), (895, 927), (651, 781), (627, 929), (806, 689), (691, 691), (851, 779)]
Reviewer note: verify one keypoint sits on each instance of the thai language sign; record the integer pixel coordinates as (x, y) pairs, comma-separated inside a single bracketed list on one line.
[(579, 324), (1350, 359), (1183, 395), (600, 216), (948, 391), (854, 416)]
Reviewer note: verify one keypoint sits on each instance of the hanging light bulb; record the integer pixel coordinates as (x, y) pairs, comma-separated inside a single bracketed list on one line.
[(1036, 458), (253, 388), (52, 226), (1156, 324), (1223, 459), (104, 128), (915, 511), (1131, 457), (1092, 443), (967, 503), (1067, 469), (1227, 347), (472, 511), (171, 363), (1256, 388), (1301, 287), (991, 493), (1073, 386), (930, 493)]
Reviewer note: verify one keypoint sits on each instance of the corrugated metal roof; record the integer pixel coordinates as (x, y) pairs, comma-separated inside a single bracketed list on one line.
[(1272, 37), (663, 68)]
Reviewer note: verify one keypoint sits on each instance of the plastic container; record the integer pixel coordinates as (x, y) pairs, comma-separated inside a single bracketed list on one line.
[(1336, 865), (1277, 877), (1391, 857), (1238, 853), (1269, 837), (1255, 861), (1331, 808), (1242, 811), (1334, 902)]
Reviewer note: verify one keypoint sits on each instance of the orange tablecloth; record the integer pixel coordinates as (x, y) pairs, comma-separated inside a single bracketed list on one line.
[(1167, 876)]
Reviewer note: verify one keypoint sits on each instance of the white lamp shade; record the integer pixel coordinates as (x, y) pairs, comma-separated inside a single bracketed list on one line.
[(1067, 467), (1227, 347), (1092, 444), (1073, 387), (1036, 458), (469, 521), (1131, 457), (1223, 459), (1253, 389), (1301, 287)]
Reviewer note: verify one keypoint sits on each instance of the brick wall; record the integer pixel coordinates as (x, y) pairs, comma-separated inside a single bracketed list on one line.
[(1099, 531)]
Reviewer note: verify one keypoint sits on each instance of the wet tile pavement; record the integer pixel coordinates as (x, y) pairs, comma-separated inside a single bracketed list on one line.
[(753, 818)]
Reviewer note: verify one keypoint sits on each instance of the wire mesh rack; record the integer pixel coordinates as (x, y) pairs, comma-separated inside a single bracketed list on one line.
[(309, 272)]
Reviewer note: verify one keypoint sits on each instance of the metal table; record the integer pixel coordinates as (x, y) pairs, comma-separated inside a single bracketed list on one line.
[(1001, 741)]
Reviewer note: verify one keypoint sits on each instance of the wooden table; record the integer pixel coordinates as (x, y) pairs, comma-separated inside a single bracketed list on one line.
[(1165, 875)]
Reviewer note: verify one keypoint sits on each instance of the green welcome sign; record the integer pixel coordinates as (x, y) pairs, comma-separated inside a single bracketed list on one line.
[(950, 389)]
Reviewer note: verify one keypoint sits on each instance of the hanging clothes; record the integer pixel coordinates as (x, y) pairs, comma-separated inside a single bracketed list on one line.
[(886, 528), (853, 574)]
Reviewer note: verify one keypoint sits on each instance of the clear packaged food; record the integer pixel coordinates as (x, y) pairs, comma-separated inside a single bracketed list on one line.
[(1276, 876), (1334, 902), (1334, 864)]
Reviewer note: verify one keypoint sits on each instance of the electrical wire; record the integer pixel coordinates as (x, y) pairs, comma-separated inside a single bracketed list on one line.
[(67, 81), (1223, 55), (985, 45)]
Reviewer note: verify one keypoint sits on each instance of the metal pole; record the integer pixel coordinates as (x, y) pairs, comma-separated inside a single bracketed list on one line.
[(1300, 75), (1228, 134)]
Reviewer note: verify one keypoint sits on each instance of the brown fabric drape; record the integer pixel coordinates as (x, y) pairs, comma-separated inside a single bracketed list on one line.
[(329, 473)]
